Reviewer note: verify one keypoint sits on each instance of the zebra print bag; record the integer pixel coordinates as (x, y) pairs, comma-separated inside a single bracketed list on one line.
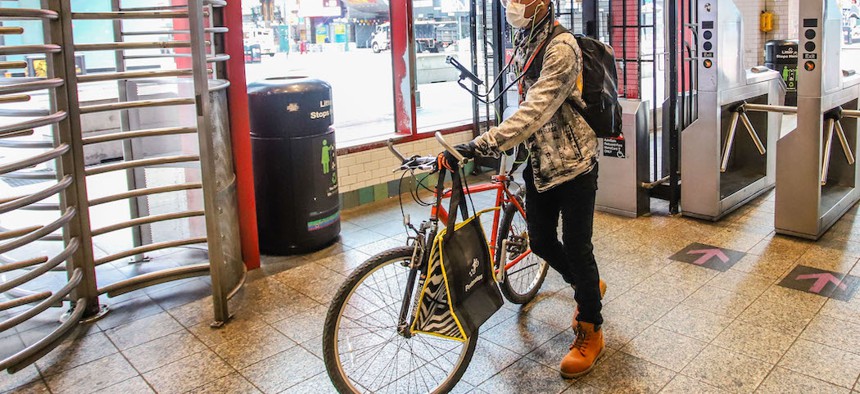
[(459, 291)]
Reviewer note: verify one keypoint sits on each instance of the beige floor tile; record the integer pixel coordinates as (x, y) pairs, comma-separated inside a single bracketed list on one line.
[(727, 370), (843, 310), (828, 259), (321, 384), (80, 348), (768, 266), (778, 317), (525, 376), (623, 373), (143, 330), (754, 341), (254, 346), (233, 383), (554, 308), (688, 272), (779, 246), (741, 239), (740, 282), (164, 350), (380, 246), (28, 376), (188, 373), (670, 288), (683, 385), (522, 334), (833, 332), (578, 387), (719, 301), (345, 262), (273, 300), (194, 312), (796, 298), (283, 370), (620, 279), (783, 381), (826, 363), (37, 387), (135, 385), (128, 311), (317, 282), (243, 321), (304, 326), (618, 331), (362, 237), (489, 358), (555, 283), (634, 305), (664, 348), (92, 376), (693, 322)]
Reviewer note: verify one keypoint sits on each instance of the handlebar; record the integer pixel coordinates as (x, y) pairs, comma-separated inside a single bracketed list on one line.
[(450, 148), (395, 151), (424, 163)]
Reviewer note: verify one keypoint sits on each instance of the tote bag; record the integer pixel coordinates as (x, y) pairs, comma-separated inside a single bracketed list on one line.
[(459, 291)]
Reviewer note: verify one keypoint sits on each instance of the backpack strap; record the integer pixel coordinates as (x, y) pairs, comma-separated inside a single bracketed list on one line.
[(534, 65)]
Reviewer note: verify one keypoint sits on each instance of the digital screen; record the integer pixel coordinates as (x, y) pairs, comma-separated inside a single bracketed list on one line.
[(810, 22), (707, 24)]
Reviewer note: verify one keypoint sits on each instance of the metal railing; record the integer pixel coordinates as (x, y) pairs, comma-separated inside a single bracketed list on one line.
[(201, 186)]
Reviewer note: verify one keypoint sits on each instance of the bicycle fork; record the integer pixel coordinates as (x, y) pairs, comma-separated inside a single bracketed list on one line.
[(415, 265)]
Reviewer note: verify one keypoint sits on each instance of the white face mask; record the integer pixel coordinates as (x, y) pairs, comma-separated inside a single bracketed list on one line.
[(515, 13)]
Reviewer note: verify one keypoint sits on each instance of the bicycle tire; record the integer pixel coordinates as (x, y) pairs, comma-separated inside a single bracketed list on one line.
[(331, 338), (522, 288)]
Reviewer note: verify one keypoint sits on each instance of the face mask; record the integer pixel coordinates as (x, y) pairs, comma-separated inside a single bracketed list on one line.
[(515, 14)]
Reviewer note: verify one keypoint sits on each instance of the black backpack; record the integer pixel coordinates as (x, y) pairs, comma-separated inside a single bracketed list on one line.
[(599, 84)]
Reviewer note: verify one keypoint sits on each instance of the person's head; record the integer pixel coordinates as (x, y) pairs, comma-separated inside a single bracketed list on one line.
[(522, 13)]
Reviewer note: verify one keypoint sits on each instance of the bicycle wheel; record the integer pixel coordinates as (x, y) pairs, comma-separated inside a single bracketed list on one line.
[(520, 282), (362, 350)]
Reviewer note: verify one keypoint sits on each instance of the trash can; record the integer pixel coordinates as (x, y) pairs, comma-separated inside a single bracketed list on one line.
[(295, 166), (781, 56)]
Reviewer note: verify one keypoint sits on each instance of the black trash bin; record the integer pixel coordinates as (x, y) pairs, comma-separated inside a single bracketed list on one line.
[(295, 168), (781, 55)]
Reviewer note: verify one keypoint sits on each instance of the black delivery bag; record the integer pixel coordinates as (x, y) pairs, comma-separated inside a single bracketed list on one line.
[(459, 292)]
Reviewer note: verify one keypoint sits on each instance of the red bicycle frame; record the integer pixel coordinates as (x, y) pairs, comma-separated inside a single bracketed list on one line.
[(503, 195)]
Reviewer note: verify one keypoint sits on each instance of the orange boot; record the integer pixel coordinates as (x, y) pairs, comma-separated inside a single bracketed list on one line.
[(602, 286), (585, 350)]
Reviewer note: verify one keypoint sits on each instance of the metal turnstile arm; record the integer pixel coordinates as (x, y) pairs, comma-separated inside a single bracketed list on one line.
[(730, 141), (834, 126), (739, 114), (825, 164)]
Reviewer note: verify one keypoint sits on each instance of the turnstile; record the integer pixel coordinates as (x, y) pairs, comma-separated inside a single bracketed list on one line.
[(723, 167), (624, 165), (817, 176)]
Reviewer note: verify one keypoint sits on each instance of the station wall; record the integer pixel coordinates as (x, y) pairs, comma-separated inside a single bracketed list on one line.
[(755, 38), (368, 176)]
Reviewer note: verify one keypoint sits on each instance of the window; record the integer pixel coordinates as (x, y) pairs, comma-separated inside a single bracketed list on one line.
[(345, 43)]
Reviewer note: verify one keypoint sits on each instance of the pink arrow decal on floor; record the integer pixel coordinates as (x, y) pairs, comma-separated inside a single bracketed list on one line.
[(708, 254), (821, 280)]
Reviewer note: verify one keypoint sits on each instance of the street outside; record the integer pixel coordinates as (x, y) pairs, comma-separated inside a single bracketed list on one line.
[(363, 92)]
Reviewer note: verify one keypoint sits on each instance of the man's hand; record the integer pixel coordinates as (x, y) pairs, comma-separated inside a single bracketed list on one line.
[(447, 160)]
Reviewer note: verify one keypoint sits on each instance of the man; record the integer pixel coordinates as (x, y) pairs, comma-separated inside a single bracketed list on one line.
[(562, 178)]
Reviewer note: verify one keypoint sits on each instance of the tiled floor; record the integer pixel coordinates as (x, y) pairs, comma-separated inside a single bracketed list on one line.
[(671, 327)]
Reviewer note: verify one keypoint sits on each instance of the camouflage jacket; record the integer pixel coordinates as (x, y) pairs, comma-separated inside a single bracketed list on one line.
[(561, 144)]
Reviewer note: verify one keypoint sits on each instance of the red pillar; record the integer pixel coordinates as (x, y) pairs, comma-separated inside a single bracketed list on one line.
[(402, 59), (240, 129)]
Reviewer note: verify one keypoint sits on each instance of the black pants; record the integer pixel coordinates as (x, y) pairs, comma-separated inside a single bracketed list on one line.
[(573, 257)]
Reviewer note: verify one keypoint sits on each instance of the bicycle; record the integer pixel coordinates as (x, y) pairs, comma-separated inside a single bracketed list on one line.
[(367, 343)]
